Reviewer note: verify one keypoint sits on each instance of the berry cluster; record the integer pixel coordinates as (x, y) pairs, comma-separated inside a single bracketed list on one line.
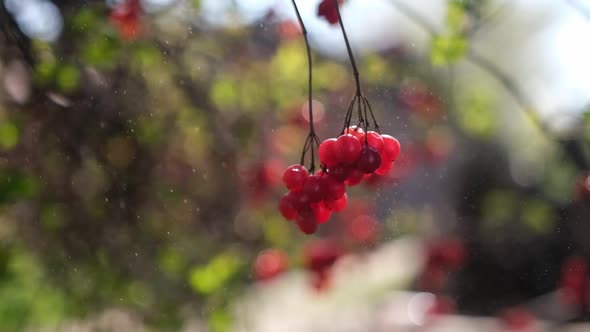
[(346, 160), (356, 154), (311, 198)]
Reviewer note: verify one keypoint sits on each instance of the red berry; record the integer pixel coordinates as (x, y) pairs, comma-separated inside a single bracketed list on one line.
[(321, 212), (355, 177), (337, 205), (391, 148), (349, 148), (334, 188), (294, 176), (321, 255), (328, 152), (339, 172), (269, 264), (369, 160), (363, 229), (307, 222), (574, 280), (374, 140), (356, 131), (385, 167), (517, 319), (286, 207), (315, 188), (299, 199)]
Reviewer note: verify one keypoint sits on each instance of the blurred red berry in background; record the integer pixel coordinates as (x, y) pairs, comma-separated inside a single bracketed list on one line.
[(270, 264)]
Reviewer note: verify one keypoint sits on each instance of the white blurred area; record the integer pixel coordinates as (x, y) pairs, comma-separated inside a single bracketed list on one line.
[(367, 295), (540, 44)]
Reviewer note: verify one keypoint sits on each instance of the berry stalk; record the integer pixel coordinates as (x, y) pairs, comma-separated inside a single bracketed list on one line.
[(363, 107), (312, 140)]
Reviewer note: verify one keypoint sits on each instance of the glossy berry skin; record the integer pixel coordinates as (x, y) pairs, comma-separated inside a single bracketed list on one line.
[(374, 140), (349, 148), (315, 188), (299, 199), (369, 160), (288, 211), (356, 131), (328, 152), (337, 205), (391, 148), (334, 188), (355, 177), (339, 173), (307, 222), (386, 167), (321, 212), (294, 177), (269, 264)]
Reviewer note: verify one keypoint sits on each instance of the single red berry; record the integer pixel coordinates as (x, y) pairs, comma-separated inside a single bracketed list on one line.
[(294, 177), (391, 148), (355, 177), (448, 253), (321, 280), (337, 205), (321, 212), (328, 152), (363, 229), (369, 160), (334, 188), (442, 305), (321, 255), (374, 140), (583, 187), (315, 188), (349, 148), (385, 167), (328, 10), (286, 207), (269, 264), (307, 222), (356, 131), (574, 281), (339, 172), (517, 319)]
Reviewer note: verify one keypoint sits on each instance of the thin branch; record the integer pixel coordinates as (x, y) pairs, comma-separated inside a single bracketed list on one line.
[(511, 87), (348, 49), (312, 139)]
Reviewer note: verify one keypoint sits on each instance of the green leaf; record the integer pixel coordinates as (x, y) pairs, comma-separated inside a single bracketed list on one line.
[(9, 135), (456, 16), (211, 277), (447, 49), (68, 78)]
